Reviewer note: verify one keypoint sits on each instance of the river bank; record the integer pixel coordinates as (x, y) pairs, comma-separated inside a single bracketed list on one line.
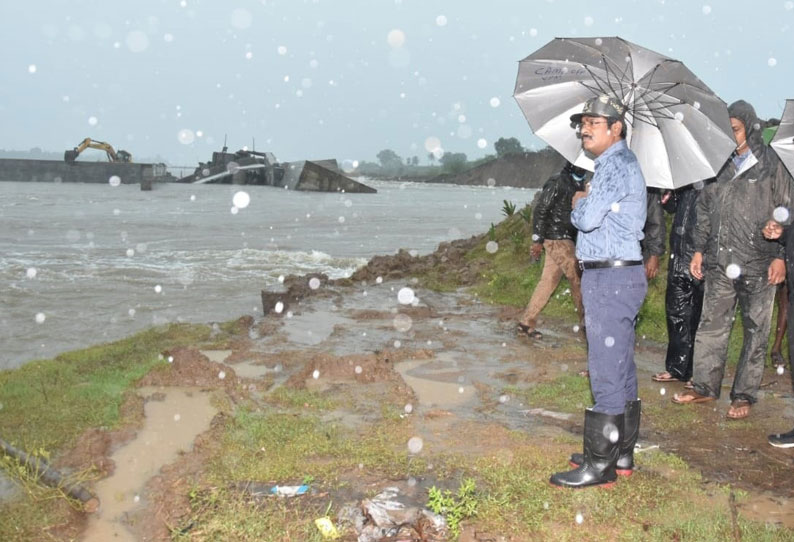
[(407, 374)]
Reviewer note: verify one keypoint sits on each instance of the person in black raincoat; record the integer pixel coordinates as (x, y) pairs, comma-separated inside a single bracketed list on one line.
[(738, 264), (684, 295)]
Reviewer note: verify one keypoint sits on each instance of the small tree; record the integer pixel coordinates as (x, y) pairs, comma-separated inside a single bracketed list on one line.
[(431, 157), (454, 162), (389, 159), (507, 146)]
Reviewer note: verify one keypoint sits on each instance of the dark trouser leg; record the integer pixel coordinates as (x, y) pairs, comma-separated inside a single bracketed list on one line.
[(612, 298), (756, 297), (683, 304), (711, 341)]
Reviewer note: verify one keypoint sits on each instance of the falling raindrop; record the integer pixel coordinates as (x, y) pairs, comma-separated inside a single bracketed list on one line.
[(662, 391), (40, 317), (504, 398), (379, 280), (615, 207), (241, 199), (415, 445), (177, 417), (158, 289), (31, 272), (397, 344), (402, 323), (609, 342), (358, 369), (733, 271), (279, 307), (780, 369), (170, 359), (579, 518), (409, 408), (114, 180), (222, 375), (491, 247), (495, 102), (314, 283), (576, 329), (316, 374), (780, 214), (441, 20), (405, 296), (772, 62), (706, 9)]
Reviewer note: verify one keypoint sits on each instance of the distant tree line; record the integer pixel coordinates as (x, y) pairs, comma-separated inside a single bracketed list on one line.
[(391, 164)]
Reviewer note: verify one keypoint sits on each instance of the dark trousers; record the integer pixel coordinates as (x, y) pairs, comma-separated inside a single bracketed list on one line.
[(612, 298), (682, 305), (755, 297)]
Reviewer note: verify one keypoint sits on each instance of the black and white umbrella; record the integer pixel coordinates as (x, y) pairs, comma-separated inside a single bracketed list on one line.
[(783, 142), (678, 127)]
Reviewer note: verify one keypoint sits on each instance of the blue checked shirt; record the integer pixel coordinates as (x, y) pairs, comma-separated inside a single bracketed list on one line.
[(611, 218)]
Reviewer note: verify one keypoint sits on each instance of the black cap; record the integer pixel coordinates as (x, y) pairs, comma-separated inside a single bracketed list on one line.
[(601, 106)]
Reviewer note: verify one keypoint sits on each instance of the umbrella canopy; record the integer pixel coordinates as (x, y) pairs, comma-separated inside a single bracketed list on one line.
[(783, 142), (678, 127)]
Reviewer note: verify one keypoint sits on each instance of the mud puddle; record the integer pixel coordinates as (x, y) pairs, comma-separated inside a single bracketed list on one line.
[(173, 419), (243, 369)]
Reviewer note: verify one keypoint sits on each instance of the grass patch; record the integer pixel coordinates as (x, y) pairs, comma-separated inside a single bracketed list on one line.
[(566, 393), (47, 404), (294, 398)]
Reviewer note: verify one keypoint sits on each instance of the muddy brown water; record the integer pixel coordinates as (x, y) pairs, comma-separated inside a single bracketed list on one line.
[(173, 419)]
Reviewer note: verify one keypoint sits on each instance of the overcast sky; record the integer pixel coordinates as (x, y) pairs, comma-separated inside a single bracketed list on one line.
[(339, 78)]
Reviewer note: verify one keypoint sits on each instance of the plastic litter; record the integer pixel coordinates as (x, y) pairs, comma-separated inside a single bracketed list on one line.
[(289, 491), (326, 527)]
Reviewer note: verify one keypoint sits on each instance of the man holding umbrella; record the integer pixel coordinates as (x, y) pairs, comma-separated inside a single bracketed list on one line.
[(610, 216)]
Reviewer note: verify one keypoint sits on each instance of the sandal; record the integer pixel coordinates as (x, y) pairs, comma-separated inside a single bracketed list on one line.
[(691, 397), (524, 329), (664, 377), (740, 408), (689, 385), (777, 359)]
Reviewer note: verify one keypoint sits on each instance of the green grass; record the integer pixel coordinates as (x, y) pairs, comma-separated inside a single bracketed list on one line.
[(566, 393), (47, 404)]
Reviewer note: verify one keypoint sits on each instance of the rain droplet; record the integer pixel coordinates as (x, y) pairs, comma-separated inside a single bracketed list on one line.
[(241, 199), (130, 253), (358, 369), (491, 247), (441, 20), (679, 116), (662, 391), (170, 359), (405, 296), (114, 180), (482, 143), (772, 62), (279, 307), (609, 342), (706, 9), (576, 329), (599, 41), (409, 408), (780, 369), (177, 417), (461, 389), (402, 323), (222, 375), (31, 272), (40, 317), (733, 271), (504, 398), (495, 102), (415, 445), (397, 344), (579, 518), (379, 280), (316, 374), (615, 207), (158, 289), (780, 214), (314, 283)]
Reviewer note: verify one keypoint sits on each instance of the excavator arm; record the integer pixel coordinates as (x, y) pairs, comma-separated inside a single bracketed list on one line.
[(121, 156)]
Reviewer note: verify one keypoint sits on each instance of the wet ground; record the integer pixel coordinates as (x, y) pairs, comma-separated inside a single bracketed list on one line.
[(446, 361)]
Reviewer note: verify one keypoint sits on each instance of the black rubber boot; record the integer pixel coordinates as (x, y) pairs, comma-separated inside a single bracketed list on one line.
[(631, 431), (602, 438)]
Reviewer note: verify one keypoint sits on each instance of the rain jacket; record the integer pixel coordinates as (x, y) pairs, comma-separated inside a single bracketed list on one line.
[(732, 211), (551, 217), (683, 205), (653, 244)]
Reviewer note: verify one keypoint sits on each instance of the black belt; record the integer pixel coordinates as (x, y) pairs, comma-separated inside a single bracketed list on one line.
[(601, 264)]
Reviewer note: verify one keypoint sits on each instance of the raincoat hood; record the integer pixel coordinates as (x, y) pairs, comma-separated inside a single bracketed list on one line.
[(752, 125)]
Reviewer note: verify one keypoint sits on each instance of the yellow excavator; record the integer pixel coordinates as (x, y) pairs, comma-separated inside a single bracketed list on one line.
[(114, 156)]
